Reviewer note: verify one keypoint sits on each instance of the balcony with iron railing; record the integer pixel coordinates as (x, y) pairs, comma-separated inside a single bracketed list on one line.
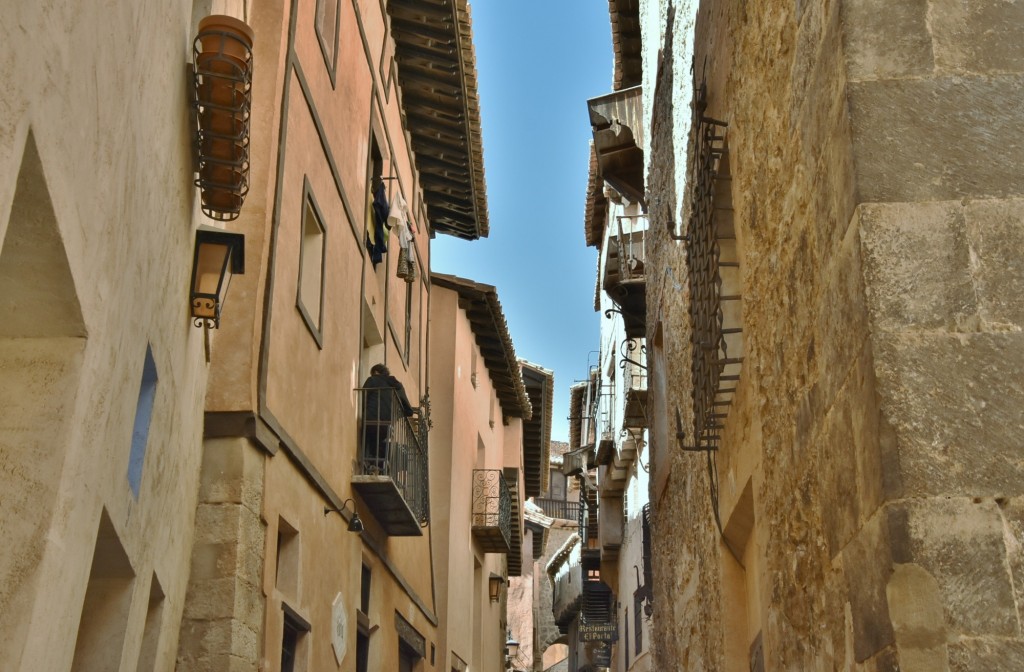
[(558, 508), (391, 470), (492, 511), (625, 278), (633, 362)]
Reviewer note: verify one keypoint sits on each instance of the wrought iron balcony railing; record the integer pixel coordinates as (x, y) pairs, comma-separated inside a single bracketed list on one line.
[(558, 508), (391, 469), (492, 511)]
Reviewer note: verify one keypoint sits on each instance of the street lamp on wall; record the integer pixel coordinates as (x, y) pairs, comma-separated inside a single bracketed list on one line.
[(511, 647), (494, 587), (218, 255), (355, 523)]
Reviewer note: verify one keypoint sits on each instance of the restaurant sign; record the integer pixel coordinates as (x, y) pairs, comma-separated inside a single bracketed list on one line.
[(598, 632)]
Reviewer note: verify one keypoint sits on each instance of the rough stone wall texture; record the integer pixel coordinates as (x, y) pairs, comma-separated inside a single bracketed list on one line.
[(879, 229), (222, 627)]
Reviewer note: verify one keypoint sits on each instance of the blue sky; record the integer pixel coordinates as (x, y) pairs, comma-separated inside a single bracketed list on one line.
[(538, 62)]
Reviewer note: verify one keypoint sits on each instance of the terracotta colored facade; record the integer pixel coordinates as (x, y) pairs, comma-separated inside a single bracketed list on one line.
[(205, 518)]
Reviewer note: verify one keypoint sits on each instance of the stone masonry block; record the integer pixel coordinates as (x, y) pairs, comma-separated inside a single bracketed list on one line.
[(955, 404), (995, 229), (867, 566), (841, 329), (850, 466), (916, 262), (915, 602), (938, 139), (1013, 514), (960, 544), (978, 36), (222, 472), (217, 523), (886, 39), (211, 599), (990, 655)]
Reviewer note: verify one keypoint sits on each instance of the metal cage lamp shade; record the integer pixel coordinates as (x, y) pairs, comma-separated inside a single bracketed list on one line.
[(222, 98), (218, 255)]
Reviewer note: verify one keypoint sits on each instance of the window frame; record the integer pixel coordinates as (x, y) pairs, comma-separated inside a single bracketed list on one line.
[(310, 205), (329, 51)]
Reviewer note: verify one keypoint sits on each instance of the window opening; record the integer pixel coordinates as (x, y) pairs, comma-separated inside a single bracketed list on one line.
[(293, 641), (287, 558), (312, 260), (408, 320), (376, 205), (143, 415), (327, 19), (151, 632), (108, 598)]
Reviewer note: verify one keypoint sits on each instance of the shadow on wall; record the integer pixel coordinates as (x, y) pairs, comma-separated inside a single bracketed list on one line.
[(42, 339)]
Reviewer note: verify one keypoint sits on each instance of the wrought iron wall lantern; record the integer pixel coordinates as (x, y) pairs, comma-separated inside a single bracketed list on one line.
[(218, 255), (222, 98), (355, 523), (511, 646), (494, 587)]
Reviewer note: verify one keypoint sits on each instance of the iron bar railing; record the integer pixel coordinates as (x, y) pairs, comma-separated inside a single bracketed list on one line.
[(492, 503), (394, 445), (630, 239), (558, 508), (708, 343)]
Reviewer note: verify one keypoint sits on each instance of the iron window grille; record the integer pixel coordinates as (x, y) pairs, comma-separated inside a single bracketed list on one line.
[(713, 386)]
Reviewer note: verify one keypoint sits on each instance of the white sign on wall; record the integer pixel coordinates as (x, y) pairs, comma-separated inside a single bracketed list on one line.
[(339, 628)]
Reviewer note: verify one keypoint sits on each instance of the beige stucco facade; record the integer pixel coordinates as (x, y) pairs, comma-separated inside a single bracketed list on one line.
[(868, 479), (102, 373)]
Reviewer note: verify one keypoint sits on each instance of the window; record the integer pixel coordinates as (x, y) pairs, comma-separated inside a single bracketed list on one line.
[(108, 598), (327, 18), (151, 632), (310, 299), (364, 590), (374, 186), (293, 641), (557, 487), (362, 652), (408, 320), (472, 369), (143, 414), (287, 579)]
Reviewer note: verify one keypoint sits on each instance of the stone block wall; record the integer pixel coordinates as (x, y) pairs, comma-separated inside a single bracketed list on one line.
[(871, 157), (222, 627)]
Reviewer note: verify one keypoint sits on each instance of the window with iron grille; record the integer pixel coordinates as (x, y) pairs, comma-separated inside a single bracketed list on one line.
[(713, 265)]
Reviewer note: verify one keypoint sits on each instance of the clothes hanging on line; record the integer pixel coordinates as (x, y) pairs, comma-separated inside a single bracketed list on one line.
[(376, 225), (398, 221)]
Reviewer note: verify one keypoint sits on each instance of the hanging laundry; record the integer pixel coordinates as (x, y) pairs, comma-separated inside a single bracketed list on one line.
[(399, 223), (376, 232)]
